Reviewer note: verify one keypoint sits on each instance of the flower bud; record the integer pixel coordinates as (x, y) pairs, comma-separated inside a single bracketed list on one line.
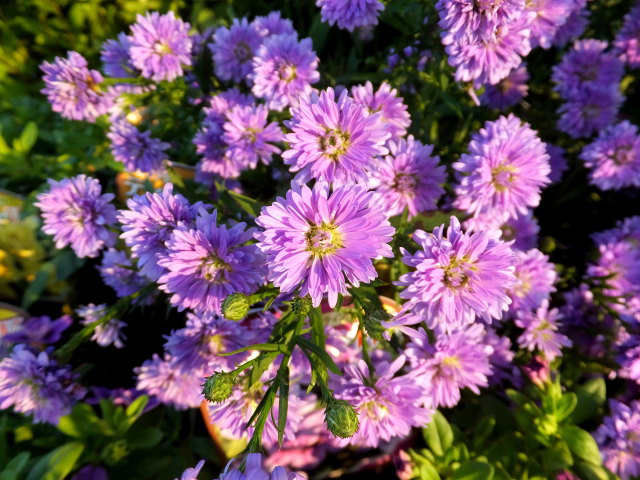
[(218, 387), (302, 306), (373, 323), (342, 418), (235, 307)]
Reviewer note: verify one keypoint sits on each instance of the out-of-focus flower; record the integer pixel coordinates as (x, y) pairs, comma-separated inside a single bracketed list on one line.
[(349, 14), (541, 331), (233, 50), (106, 333), (136, 149), (509, 91), (385, 100), (619, 439)]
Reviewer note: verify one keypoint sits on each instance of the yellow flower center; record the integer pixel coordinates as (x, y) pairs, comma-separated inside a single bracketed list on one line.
[(323, 239)]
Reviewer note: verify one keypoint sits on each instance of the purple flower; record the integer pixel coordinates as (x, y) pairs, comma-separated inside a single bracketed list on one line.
[(192, 473), (619, 439), (458, 276), (349, 14), (537, 276), (386, 101), (507, 166), (118, 272), (468, 18), (574, 26), (222, 103), (233, 50), (523, 229), (410, 178), (37, 385), (273, 24), (315, 240), (215, 153), (207, 263), (614, 157), (77, 213), (388, 404), (253, 470), (509, 91), (148, 224), (457, 360), (629, 358), (501, 359), (73, 90), (590, 111), (160, 46), (135, 149), (334, 142), (107, 333), (550, 16), (283, 70), (627, 41), (557, 162), (115, 57), (39, 331), (541, 331)]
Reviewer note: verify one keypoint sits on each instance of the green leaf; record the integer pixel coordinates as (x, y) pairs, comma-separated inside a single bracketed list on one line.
[(262, 347), (283, 405), (474, 470), (438, 434), (57, 464), (427, 471), (566, 405), (15, 466), (144, 438), (249, 205), (581, 444), (37, 286), (591, 396), (589, 471), (28, 137), (82, 422), (135, 408), (321, 353)]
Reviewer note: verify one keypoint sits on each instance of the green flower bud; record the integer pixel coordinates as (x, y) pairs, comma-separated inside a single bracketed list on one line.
[(218, 387), (302, 306), (235, 306), (373, 323), (342, 418)]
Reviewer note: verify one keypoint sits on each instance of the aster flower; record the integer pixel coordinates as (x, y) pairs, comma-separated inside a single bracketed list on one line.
[(614, 157), (215, 153), (107, 333), (574, 26), (522, 230), (557, 162), (160, 46), (627, 41), (233, 50), (458, 276), (388, 404), (249, 137), (619, 440), (73, 90), (457, 360), (77, 213), (507, 166), (541, 331), (386, 101), (283, 70), (115, 57), (589, 111), (550, 16), (409, 178), (273, 24), (253, 470), (136, 149), (509, 91), (207, 263), (501, 358), (465, 18), (192, 473), (628, 358), (222, 103), (537, 276), (349, 14), (118, 272), (333, 141), (148, 223), (35, 385), (39, 331), (319, 241)]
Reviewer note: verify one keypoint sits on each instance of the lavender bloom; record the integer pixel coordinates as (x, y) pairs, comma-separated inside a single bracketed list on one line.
[(388, 404), (135, 149), (509, 91), (334, 142), (522, 230), (118, 272), (72, 89), (458, 276), (590, 111), (222, 103), (557, 162), (39, 331), (165, 380), (627, 41), (457, 360), (107, 333), (148, 224), (614, 157), (386, 101), (254, 471), (541, 331), (77, 213), (192, 473), (537, 276), (410, 178), (215, 153), (283, 70), (550, 16), (315, 240), (233, 50), (501, 359), (249, 137), (37, 385), (115, 57), (160, 46), (619, 441), (206, 264), (629, 359), (273, 24), (574, 26), (465, 18), (507, 166), (349, 14)]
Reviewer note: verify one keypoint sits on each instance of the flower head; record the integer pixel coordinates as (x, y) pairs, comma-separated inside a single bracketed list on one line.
[(106, 333), (509, 91), (541, 331), (349, 14), (273, 24), (386, 101), (466, 18), (550, 16), (115, 57), (136, 149), (627, 41), (117, 271), (254, 471), (39, 331), (233, 50), (589, 111), (537, 276), (619, 439)]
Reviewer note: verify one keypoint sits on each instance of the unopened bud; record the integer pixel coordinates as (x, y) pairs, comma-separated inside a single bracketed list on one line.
[(218, 387), (302, 306), (342, 418), (373, 323), (235, 307)]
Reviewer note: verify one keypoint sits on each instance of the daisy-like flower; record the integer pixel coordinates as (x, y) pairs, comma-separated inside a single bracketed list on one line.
[(537, 276), (465, 18), (253, 470), (523, 230), (458, 276), (73, 90), (409, 178), (273, 24), (589, 111), (619, 439), (388, 404), (105, 334), (557, 162), (39, 331), (160, 46), (148, 223), (77, 213), (614, 157), (118, 272), (349, 14), (233, 50), (333, 141), (541, 331), (550, 16), (135, 149), (507, 166), (509, 91), (574, 26), (386, 101), (319, 242), (36, 385), (283, 70), (627, 41), (455, 361), (248, 136), (115, 57), (207, 263)]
